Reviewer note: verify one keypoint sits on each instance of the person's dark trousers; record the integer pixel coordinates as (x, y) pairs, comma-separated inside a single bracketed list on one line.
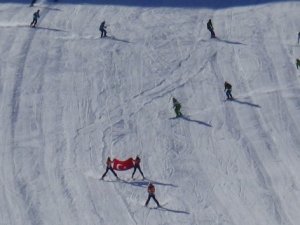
[(228, 93), (103, 33), (151, 196), (107, 169), (177, 111), (212, 33), (33, 23), (139, 168)]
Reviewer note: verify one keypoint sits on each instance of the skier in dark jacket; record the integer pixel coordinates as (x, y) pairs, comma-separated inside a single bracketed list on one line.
[(211, 28), (136, 163), (102, 29), (109, 167), (32, 3), (151, 194), (298, 63), (36, 15), (228, 90), (177, 107)]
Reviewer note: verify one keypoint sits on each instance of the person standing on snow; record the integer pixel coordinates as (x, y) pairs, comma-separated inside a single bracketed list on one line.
[(228, 90), (32, 3), (109, 167), (298, 63), (151, 194), (177, 107), (211, 28), (36, 15), (102, 29), (298, 37), (136, 163)]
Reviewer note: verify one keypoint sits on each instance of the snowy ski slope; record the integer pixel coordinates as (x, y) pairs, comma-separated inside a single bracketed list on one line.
[(69, 99)]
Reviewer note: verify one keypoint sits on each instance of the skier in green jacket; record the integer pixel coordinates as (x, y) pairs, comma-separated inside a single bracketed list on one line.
[(177, 107)]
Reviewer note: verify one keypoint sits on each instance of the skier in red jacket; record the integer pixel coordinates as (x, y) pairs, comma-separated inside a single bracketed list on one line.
[(151, 194)]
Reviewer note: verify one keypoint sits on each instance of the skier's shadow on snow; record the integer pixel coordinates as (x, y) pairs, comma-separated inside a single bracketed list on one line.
[(117, 39), (195, 121), (50, 29), (172, 210), (47, 7), (245, 103), (230, 42), (144, 183)]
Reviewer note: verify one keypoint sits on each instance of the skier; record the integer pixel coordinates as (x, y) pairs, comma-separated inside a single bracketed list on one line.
[(102, 29), (298, 37), (32, 3), (177, 107), (137, 166), (109, 167), (151, 194), (298, 63), (228, 90), (211, 28), (36, 15)]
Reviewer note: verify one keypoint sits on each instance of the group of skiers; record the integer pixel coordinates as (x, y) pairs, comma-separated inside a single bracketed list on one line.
[(210, 27), (136, 163), (103, 27), (227, 89), (136, 166), (176, 105)]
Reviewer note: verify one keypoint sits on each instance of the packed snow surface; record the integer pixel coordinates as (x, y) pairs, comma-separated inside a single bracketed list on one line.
[(69, 99)]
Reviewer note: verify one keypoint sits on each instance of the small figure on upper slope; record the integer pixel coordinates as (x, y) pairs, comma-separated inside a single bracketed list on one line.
[(298, 63), (109, 167), (298, 37), (36, 15), (228, 90), (102, 29), (32, 3), (211, 28), (151, 194), (137, 162), (177, 107)]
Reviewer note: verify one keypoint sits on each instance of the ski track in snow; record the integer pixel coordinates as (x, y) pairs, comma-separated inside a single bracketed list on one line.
[(70, 99)]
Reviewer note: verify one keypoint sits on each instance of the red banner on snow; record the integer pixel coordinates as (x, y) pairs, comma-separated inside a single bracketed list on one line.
[(123, 165)]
